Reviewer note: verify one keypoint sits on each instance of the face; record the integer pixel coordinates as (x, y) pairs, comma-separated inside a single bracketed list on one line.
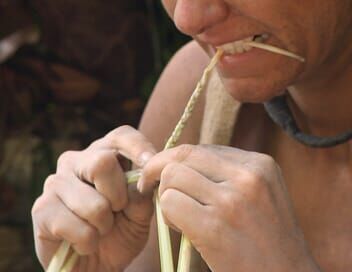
[(320, 31)]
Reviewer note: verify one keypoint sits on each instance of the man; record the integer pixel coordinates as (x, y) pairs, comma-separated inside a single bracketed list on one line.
[(239, 209)]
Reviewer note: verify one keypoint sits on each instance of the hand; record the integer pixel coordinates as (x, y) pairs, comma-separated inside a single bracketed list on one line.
[(87, 203), (233, 206)]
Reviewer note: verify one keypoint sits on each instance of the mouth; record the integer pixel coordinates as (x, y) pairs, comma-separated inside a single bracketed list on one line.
[(243, 46), (257, 41)]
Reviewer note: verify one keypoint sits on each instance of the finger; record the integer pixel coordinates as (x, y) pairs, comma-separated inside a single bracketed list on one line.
[(229, 152), (129, 142), (51, 228), (140, 207), (83, 200), (188, 181), (174, 204), (207, 163), (102, 169)]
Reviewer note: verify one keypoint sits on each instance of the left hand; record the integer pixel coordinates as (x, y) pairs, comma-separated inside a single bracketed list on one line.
[(233, 205)]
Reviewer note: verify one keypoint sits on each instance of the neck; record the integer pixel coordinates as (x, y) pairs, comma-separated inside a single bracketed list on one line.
[(322, 105)]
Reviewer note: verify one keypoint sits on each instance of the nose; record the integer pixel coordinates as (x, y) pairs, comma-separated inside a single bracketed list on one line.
[(192, 17)]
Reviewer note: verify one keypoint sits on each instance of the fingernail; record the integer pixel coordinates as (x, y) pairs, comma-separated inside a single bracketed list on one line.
[(144, 158), (140, 185)]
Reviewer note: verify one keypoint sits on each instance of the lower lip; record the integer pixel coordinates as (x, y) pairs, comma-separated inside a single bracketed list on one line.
[(244, 63)]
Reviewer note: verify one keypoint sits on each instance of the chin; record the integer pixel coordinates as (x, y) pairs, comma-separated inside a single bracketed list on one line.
[(259, 89), (254, 90)]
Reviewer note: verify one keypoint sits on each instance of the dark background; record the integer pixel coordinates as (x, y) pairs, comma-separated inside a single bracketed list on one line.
[(76, 70)]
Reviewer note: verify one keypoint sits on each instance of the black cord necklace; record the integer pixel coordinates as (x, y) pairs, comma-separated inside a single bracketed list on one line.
[(281, 114)]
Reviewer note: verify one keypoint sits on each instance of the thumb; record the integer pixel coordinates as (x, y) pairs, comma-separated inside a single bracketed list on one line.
[(140, 207)]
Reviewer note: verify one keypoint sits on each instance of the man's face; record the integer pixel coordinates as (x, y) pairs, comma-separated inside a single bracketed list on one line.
[(317, 30)]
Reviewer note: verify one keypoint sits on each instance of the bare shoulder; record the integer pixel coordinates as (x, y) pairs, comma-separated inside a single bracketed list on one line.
[(171, 94)]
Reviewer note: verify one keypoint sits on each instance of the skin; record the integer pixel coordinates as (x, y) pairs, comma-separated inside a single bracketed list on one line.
[(287, 210)]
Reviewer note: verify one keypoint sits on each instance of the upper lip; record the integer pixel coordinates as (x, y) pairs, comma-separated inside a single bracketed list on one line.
[(219, 42)]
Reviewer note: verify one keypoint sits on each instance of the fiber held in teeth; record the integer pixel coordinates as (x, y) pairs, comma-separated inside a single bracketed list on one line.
[(257, 41), (236, 47)]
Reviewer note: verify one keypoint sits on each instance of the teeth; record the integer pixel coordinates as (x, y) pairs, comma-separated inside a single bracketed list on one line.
[(245, 46), (237, 47), (241, 46)]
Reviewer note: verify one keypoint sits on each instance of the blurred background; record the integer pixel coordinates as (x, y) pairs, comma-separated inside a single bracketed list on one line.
[(70, 71)]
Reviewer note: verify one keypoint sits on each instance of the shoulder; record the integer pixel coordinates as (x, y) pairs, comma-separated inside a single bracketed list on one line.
[(187, 64), (171, 94)]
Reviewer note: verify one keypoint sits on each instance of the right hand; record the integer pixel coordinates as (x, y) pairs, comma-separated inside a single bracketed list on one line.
[(87, 203)]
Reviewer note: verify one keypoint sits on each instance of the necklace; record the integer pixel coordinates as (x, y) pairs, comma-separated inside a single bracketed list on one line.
[(281, 114)]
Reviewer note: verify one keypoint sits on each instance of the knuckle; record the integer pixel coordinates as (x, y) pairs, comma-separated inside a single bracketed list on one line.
[(100, 209), (252, 176), (232, 209), (267, 163), (255, 186), (51, 182), (122, 130), (101, 162), (87, 235), (37, 207), (266, 159), (255, 179), (169, 171), (42, 203), (184, 151), (40, 234), (56, 230), (229, 201), (166, 200), (66, 158)]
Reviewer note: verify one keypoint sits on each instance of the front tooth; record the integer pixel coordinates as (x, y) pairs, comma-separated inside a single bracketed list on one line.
[(247, 47), (239, 49), (228, 48), (249, 39), (239, 46)]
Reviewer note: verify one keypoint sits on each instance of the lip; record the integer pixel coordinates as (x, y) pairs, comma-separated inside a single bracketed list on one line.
[(245, 64), (237, 64), (217, 43)]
